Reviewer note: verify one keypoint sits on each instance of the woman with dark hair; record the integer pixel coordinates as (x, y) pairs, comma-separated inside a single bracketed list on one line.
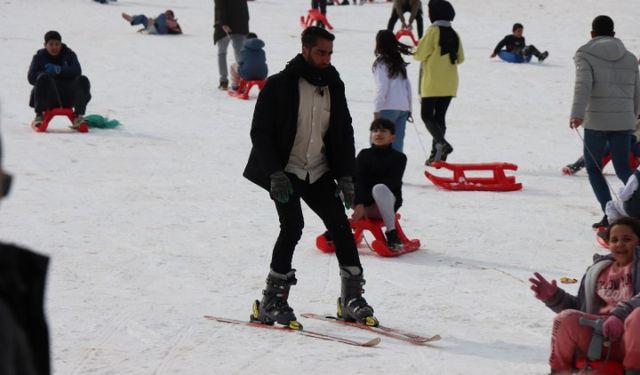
[(393, 89), (440, 52)]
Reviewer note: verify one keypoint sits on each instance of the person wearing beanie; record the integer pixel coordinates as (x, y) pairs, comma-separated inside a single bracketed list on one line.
[(439, 52), (57, 80), (515, 44), (400, 7), (606, 108)]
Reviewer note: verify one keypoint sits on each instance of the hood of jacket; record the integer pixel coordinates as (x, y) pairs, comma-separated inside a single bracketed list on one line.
[(254, 44), (605, 47)]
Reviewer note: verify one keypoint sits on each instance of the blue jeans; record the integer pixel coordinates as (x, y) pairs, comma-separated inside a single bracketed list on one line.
[(237, 40), (140, 19), (399, 118), (595, 144)]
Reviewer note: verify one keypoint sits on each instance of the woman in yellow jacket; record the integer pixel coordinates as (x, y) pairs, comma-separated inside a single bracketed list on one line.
[(439, 51)]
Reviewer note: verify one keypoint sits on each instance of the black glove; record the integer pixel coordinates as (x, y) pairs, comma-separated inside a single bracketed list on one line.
[(281, 188), (348, 190)]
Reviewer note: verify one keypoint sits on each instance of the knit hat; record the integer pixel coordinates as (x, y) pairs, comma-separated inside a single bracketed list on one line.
[(441, 10), (52, 35)]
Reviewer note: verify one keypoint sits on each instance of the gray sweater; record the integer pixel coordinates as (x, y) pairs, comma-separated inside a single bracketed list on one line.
[(607, 88)]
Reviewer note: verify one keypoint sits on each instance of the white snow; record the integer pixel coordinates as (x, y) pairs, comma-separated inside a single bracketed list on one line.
[(151, 226)]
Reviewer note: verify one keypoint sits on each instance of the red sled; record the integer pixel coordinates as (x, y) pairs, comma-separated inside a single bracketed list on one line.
[(379, 245), (601, 240), (244, 87), (314, 15), (50, 114), (406, 32), (607, 367), (497, 182)]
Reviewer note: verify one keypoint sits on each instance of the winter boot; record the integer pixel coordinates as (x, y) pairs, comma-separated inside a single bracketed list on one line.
[(224, 85), (274, 307), (543, 56), (602, 223), (443, 149), (352, 307), (37, 121), (393, 241), (432, 156)]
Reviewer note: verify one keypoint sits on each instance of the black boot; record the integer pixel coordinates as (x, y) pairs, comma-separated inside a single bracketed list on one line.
[(393, 241), (602, 223), (571, 169), (274, 307), (352, 307)]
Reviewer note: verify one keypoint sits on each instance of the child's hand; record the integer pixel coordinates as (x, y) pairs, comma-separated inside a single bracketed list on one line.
[(575, 122), (226, 29), (542, 288)]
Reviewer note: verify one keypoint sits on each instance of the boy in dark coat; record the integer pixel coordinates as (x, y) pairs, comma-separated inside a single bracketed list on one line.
[(379, 171), (57, 80), (515, 44), (252, 64)]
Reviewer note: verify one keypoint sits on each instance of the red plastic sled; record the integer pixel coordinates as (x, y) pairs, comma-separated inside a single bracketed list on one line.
[(602, 367), (48, 115), (245, 87), (459, 181), (406, 32), (314, 15), (379, 245)]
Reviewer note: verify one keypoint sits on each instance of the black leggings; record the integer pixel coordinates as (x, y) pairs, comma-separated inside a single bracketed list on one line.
[(322, 199), (394, 18), (433, 112)]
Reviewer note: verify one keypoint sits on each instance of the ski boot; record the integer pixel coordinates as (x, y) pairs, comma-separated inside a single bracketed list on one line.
[(274, 307), (352, 307)]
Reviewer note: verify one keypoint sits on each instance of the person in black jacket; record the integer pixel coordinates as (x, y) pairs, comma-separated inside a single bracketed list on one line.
[(379, 171), (57, 80), (515, 44), (24, 335), (302, 144), (231, 25)]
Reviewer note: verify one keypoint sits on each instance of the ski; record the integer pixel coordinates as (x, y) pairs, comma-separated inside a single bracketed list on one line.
[(304, 332), (394, 333)]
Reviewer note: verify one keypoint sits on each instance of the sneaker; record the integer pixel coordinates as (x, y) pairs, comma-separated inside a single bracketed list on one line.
[(543, 56), (38, 121), (327, 236), (602, 223), (393, 241), (224, 85), (78, 122)]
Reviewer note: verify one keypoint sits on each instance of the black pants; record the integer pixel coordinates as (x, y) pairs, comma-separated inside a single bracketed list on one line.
[(527, 51), (50, 93), (321, 198), (394, 18), (433, 112), (322, 4)]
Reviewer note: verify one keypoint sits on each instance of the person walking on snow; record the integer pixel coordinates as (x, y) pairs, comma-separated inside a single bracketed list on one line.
[(302, 143), (231, 25)]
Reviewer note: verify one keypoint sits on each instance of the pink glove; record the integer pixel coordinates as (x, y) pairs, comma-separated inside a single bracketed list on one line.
[(613, 328), (541, 287)]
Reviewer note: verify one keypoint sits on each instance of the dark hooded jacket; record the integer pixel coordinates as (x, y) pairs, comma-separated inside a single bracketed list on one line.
[(275, 122), (67, 59), (253, 62), (379, 165), (233, 13)]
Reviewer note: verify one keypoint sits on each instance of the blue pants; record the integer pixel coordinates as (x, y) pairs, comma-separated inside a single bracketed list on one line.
[(595, 144), (399, 118), (140, 19)]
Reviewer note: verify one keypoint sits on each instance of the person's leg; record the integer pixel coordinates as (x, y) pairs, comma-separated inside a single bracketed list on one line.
[(80, 92), (44, 92), (385, 201), (392, 20), (420, 24), (594, 145), (444, 148), (567, 337), (620, 144), (237, 40), (223, 44), (428, 114), (631, 341), (140, 19), (291, 224), (235, 77)]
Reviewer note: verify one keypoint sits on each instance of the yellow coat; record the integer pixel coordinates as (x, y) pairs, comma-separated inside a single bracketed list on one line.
[(439, 76)]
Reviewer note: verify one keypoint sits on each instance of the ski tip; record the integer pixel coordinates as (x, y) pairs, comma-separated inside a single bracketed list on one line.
[(373, 342)]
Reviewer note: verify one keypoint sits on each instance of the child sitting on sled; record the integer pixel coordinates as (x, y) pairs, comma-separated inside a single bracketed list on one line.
[(628, 204), (515, 44), (609, 290), (164, 23), (252, 64), (378, 180)]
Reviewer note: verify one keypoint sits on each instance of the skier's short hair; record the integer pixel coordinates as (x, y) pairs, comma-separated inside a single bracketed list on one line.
[(602, 26), (517, 26), (383, 123), (52, 35), (311, 34), (632, 223)]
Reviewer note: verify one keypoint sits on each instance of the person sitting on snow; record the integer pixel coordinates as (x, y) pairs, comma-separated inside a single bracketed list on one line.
[(57, 80), (609, 290), (379, 171), (164, 23), (515, 44), (252, 64)]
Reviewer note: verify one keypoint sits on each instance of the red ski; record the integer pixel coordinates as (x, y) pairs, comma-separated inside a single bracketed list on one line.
[(304, 332), (394, 333)]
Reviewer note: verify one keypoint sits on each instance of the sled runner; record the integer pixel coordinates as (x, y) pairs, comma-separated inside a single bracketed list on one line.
[(245, 87), (379, 245), (497, 182), (513, 58), (406, 32), (313, 16), (50, 114)]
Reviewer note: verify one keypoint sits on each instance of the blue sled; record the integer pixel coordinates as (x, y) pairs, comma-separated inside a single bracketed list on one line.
[(513, 58)]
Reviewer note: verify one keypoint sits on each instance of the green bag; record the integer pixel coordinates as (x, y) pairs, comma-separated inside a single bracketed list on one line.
[(97, 121)]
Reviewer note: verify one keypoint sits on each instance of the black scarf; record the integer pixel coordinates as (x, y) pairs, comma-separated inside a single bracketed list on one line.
[(299, 67), (449, 43)]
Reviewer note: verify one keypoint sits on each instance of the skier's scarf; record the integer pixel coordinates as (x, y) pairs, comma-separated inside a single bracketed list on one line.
[(449, 41), (299, 67)]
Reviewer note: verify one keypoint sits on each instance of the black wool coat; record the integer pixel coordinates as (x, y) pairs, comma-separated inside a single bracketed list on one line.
[(233, 13), (377, 165), (274, 126)]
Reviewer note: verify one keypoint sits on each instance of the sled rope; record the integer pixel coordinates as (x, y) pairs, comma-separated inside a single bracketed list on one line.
[(598, 163)]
